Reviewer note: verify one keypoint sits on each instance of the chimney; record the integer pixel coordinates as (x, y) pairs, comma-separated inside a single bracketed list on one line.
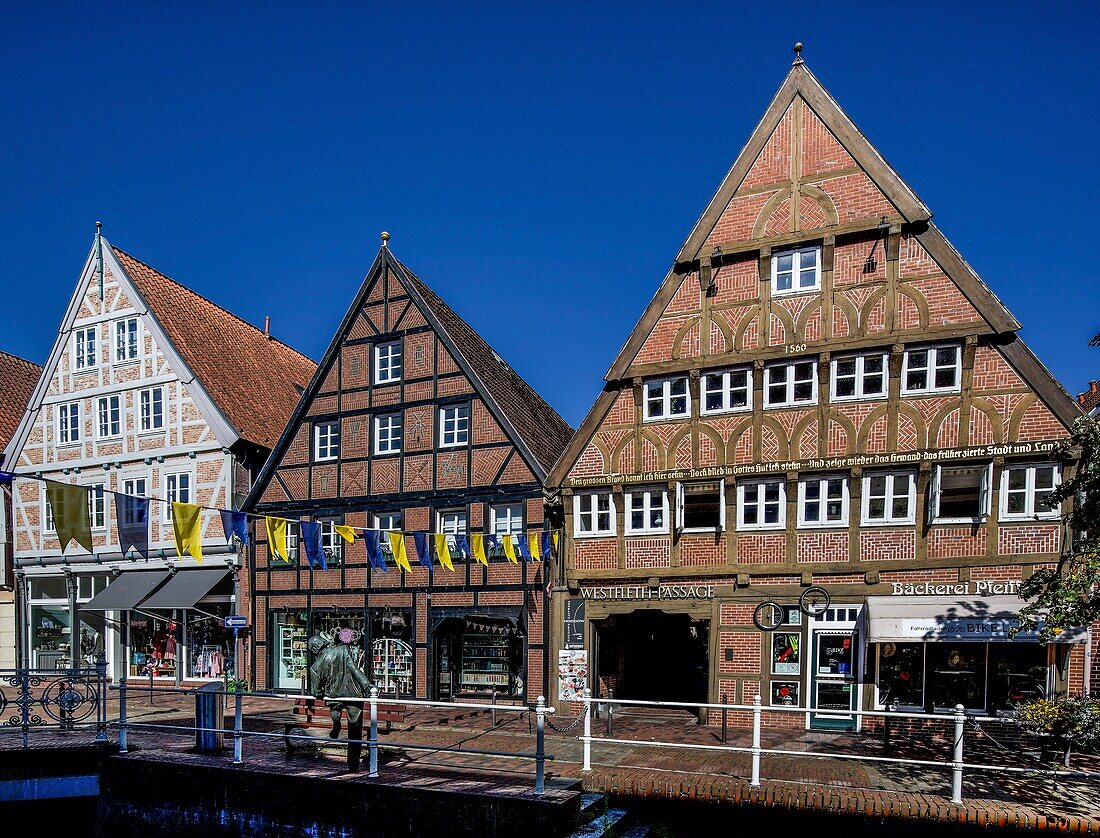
[(267, 326)]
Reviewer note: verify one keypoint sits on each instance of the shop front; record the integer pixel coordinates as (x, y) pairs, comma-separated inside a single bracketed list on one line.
[(290, 632), (48, 632), (478, 654)]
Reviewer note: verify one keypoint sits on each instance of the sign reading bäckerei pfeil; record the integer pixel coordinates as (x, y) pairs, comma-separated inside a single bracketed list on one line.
[(893, 458)]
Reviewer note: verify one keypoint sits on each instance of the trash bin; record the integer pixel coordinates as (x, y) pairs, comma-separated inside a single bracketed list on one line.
[(209, 714)]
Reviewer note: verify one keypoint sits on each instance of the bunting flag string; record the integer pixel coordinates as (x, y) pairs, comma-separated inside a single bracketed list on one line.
[(510, 548), (443, 551), (72, 518), (235, 524), (375, 555), (187, 529), (477, 547), (397, 546), (310, 532), (524, 548), (276, 538), (133, 524)]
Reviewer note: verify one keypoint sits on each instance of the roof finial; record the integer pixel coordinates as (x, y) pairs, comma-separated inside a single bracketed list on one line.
[(798, 53), (385, 238), (99, 225)]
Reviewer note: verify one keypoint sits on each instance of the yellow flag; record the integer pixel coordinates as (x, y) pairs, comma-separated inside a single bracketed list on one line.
[(554, 540), (187, 528), (477, 547), (443, 551), (397, 545), (510, 549), (276, 539), (345, 532), (533, 544)]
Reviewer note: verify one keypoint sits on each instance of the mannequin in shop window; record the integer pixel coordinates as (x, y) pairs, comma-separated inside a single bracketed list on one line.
[(336, 674)]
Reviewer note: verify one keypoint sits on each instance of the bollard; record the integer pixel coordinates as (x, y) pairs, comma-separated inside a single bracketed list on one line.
[(886, 723), (101, 698), (122, 715), (149, 669), (755, 741), (25, 703), (724, 698), (540, 749), (493, 712), (587, 730), (610, 713), (957, 757), (372, 742), (238, 726)]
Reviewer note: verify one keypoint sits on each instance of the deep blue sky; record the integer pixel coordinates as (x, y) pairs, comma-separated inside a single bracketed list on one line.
[(539, 166)]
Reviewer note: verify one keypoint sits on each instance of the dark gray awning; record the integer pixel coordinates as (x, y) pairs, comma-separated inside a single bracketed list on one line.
[(185, 588), (130, 588), (930, 618)]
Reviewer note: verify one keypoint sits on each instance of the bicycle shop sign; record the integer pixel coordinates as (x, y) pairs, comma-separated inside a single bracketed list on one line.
[(648, 592)]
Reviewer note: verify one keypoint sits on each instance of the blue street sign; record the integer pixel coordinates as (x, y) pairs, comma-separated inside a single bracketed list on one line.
[(237, 621)]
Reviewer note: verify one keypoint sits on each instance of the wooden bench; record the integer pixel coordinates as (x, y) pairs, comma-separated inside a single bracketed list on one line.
[(310, 712)]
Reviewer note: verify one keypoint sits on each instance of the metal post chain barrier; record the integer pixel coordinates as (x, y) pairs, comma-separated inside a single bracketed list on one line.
[(571, 726), (755, 741), (122, 715), (101, 698), (724, 698), (372, 742), (957, 757), (238, 726), (25, 704), (540, 750), (587, 730)]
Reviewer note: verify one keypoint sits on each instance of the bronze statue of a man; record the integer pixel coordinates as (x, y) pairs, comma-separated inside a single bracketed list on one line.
[(335, 675)]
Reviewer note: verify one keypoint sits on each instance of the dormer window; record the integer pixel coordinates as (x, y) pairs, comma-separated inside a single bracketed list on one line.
[(666, 398), (387, 362), (796, 271)]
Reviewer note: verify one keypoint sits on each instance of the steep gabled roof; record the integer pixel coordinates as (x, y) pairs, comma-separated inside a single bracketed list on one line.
[(538, 432), (253, 379), (18, 378)]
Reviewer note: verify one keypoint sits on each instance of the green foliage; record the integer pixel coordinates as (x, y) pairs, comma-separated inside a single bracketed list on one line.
[(235, 685), (1073, 723), (1068, 596)]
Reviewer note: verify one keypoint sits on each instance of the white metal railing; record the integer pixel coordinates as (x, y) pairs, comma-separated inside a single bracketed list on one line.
[(957, 764), (370, 704)]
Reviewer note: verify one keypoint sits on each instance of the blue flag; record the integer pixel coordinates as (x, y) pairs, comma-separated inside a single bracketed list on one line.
[(492, 545), (462, 546), (235, 524), (6, 477), (546, 544), (524, 548), (374, 550), (133, 524), (311, 540), (420, 539)]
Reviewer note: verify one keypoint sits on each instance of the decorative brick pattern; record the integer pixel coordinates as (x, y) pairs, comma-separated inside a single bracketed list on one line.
[(956, 542), (1017, 539), (823, 547), (647, 552), (887, 545), (761, 548)]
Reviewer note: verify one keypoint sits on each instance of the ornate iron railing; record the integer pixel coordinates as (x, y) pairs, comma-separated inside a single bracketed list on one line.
[(63, 699)]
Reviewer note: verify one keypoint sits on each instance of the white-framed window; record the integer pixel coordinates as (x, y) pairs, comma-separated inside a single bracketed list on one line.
[(137, 487), (47, 512), (68, 423), (593, 514), (454, 425), (646, 511), (109, 417), (177, 489), (126, 340), (332, 544), (388, 522), (1025, 489), (761, 504), (795, 271), (387, 434), (932, 369), (292, 539), (151, 409), (84, 348), (859, 377), (889, 497), (452, 523), (790, 383), (666, 398), (959, 494), (506, 518), (701, 507), (97, 505), (326, 441), (387, 362), (823, 501), (727, 391)]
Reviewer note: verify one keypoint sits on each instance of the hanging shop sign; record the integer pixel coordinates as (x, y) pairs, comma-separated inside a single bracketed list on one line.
[(648, 592), (574, 624), (895, 458)]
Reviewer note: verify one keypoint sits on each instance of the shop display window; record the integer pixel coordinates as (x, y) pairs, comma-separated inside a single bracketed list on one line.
[(209, 642), (391, 651), (478, 655), (901, 674), (1017, 674), (291, 669), (955, 675), (331, 621), (834, 654), (49, 636), (154, 646), (786, 659), (785, 693)]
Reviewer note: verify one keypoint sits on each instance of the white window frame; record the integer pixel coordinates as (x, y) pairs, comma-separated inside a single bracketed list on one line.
[(174, 491), (724, 389), (136, 486), (506, 519), (931, 369), (391, 525), (592, 514), (104, 410), (394, 437), (144, 396), (860, 376), (822, 481), (452, 523), (665, 398), (97, 506), (796, 255), (648, 507), (392, 370), (85, 348), (681, 505), (48, 523), (120, 353), (1030, 513), (985, 482), (326, 443), (756, 486), (332, 543), (888, 519), (69, 429), (790, 382), (454, 430)]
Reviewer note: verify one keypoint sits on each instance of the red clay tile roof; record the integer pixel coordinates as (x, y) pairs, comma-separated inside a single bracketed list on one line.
[(18, 379), (543, 431), (254, 380), (1090, 399)]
